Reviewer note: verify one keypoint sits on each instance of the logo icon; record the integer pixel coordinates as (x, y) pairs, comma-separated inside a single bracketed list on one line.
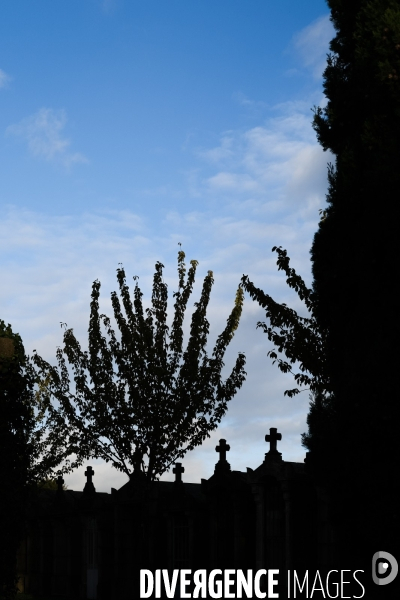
[(384, 568)]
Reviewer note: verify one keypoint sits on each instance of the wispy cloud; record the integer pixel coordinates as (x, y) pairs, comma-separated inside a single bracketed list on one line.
[(221, 152), (4, 79), (278, 165), (312, 44), (255, 107), (108, 6), (43, 133)]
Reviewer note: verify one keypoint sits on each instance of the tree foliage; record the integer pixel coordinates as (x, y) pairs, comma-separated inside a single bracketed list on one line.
[(16, 422), (355, 261), (24, 453), (355, 250), (300, 339), (16, 401), (140, 400), (351, 340), (22, 419)]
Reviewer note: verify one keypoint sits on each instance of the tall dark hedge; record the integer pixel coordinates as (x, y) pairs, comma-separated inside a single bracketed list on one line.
[(355, 258), (16, 423)]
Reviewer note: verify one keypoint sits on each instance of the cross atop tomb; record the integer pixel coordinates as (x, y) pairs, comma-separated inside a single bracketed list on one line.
[(223, 448), (272, 438), (222, 465), (89, 487), (178, 470), (89, 474)]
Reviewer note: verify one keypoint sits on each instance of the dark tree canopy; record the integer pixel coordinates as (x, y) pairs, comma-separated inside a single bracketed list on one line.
[(356, 247), (16, 422), (355, 258), (16, 402), (24, 454), (351, 339), (139, 399), (302, 342)]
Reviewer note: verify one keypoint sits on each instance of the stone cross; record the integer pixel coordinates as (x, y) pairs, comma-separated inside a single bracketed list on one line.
[(222, 466), (89, 474), (223, 448), (178, 470), (272, 438), (89, 487)]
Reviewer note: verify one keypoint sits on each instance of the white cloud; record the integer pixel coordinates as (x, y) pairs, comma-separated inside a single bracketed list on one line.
[(43, 134), (274, 168), (220, 153), (4, 79), (233, 181), (312, 44)]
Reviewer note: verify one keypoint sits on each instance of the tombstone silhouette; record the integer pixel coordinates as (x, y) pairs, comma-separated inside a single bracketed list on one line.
[(222, 465), (178, 470), (89, 487), (272, 438)]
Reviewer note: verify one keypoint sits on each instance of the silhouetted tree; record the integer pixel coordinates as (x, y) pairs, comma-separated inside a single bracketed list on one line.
[(299, 339), (50, 483), (16, 422), (302, 341), (354, 326), (139, 400), (355, 262), (26, 457)]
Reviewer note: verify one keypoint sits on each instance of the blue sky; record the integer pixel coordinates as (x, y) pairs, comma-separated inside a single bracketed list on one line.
[(128, 126)]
